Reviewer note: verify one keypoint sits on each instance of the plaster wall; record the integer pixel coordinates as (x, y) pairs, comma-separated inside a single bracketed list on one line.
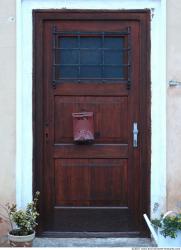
[(7, 103), (173, 104)]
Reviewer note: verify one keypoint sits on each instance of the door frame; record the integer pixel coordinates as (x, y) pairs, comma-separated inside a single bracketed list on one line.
[(141, 16)]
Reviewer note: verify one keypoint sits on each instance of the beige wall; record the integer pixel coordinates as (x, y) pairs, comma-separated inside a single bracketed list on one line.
[(7, 102), (173, 104)]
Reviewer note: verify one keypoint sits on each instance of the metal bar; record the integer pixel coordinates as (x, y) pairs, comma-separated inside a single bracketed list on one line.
[(53, 57), (102, 70), (63, 33), (85, 65), (79, 57), (97, 79), (129, 58), (112, 49)]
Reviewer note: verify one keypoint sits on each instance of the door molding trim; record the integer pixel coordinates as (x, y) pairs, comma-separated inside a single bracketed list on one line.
[(24, 137)]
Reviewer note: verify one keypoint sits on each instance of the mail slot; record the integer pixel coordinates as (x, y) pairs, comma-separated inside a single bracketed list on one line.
[(83, 127)]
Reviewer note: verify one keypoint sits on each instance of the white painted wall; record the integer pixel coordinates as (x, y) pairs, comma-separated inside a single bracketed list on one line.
[(24, 89)]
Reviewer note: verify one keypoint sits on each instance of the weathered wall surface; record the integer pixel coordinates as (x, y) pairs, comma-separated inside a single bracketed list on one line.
[(173, 104), (7, 103)]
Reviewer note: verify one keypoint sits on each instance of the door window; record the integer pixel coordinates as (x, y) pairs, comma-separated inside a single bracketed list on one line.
[(89, 57)]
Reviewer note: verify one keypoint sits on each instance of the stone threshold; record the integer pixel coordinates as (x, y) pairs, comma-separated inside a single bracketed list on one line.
[(94, 242), (87, 242)]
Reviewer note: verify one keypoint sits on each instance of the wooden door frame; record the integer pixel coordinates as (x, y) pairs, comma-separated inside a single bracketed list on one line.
[(141, 16)]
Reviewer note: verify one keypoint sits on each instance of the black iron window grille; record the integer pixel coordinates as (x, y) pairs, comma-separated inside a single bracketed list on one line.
[(100, 57)]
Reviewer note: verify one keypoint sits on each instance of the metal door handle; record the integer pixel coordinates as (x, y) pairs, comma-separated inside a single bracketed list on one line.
[(135, 135)]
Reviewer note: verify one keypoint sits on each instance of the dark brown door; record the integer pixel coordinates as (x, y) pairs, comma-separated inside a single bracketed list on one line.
[(92, 62)]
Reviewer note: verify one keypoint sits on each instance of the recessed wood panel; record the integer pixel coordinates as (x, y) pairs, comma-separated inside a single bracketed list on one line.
[(94, 182), (110, 117), (71, 182), (108, 181)]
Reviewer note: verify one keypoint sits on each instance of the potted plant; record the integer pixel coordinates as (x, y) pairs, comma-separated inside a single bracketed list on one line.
[(166, 230), (22, 223)]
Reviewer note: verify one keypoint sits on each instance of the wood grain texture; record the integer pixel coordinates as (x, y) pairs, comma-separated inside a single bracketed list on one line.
[(91, 182), (90, 151)]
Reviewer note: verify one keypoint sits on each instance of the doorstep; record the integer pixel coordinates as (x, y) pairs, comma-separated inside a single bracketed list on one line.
[(87, 242), (94, 242)]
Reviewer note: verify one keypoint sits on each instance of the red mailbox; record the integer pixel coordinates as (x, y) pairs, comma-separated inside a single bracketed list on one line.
[(83, 127)]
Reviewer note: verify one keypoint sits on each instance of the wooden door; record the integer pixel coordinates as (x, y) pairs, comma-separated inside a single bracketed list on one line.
[(94, 61)]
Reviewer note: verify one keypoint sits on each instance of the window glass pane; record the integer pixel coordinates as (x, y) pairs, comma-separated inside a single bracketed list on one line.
[(90, 72), (69, 57), (113, 72), (68, 72), (90, 42), (113, 57), (113, 42), (68, 42), (90, 57)]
